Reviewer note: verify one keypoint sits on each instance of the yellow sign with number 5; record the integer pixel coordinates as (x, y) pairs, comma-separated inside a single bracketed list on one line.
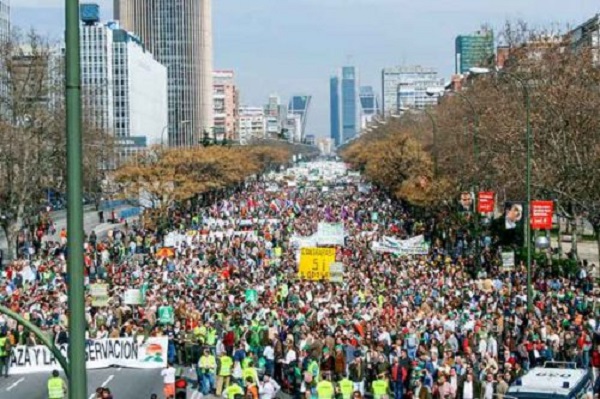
[(315, 262)]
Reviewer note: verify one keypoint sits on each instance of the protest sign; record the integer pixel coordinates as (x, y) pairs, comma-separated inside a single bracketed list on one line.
[(100, 353), (336, 272), (99, 293), (314, 263), (412, 246), (133, 297), (508, 260), (330, 234), (251, 296), (166, 315)]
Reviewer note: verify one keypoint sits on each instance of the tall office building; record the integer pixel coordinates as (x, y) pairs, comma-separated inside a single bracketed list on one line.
[(179, 34), (344, 105), (226, 103), (252, 124), (4, 20), (299, 106), (368, 104), (474, 50), (406, 87), (124, 87)]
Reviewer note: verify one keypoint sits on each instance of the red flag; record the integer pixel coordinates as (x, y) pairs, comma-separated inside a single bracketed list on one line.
[(541, 215), (485, 202)]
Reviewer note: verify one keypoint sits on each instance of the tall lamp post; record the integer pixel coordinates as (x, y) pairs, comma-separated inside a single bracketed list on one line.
[(77, 371), (525, 88), (435, 149)]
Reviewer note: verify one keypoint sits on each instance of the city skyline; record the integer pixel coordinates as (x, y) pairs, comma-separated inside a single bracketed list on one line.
[(240, 29)]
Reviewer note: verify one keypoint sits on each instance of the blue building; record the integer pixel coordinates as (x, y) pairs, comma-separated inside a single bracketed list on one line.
[(344, 105), (334, 110), (299, 106), (368, 101)]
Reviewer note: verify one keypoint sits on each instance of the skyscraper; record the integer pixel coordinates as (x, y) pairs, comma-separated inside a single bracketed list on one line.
[(406, 87), (474, 50), (334, 110), (4, 20), (179, 34), (344, 105), (299, 106), (369, 105)]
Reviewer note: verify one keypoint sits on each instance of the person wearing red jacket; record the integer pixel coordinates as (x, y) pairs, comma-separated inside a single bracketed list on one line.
[(596, 362)]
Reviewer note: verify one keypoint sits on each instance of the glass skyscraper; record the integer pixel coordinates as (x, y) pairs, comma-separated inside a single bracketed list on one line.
[(474, 50), (299, 106), (344, 105), (368, 100), (179, 34)]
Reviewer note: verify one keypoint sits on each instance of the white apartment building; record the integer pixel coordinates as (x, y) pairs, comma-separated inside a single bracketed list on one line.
[(124, 87), (252, 123), (406, 87)]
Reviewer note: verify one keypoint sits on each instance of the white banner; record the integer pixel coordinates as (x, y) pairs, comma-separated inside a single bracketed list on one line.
[(412, 246), (100, 353), (330, 234)]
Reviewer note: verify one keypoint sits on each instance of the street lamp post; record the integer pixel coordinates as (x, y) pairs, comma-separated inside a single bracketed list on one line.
[(528, 145), (435, 149), (77, 368)]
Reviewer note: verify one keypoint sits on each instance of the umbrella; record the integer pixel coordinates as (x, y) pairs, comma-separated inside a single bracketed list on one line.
[(165, 253)]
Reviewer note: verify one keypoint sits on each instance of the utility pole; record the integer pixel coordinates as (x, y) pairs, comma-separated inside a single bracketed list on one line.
[(77, 370)]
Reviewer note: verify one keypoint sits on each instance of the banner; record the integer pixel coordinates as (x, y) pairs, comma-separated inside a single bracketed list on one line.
[(134, 297), (99, 293), (336, 272), (541, 215), (412, 246), (485, 202), (331, 234), (315, 262), (100, 353)]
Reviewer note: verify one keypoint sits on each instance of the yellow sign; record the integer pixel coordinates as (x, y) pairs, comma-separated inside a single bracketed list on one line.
[(315, 262)]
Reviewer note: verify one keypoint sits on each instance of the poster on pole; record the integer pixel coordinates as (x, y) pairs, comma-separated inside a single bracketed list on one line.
[(99, 293), (315, 262), (541, 215), (485, 202)]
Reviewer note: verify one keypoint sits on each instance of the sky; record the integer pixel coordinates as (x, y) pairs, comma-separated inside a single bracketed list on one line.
[(289, 47)]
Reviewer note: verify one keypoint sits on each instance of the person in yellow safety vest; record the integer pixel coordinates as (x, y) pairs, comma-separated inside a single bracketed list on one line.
[(250, 372), (325, 389), (346, 388), (231, 391), (224, 374), (380, 387), (207, 368), (5, 349), (57, 388)]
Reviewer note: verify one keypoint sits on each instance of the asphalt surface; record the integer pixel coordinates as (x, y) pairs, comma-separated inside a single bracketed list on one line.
[(123, 383)]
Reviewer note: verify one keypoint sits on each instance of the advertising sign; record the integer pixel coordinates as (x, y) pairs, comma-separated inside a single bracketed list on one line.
[(541, 215), (485, 202), (315, 262), (100, 353)]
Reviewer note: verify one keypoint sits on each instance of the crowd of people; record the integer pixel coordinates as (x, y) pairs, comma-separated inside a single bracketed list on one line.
[(422, 326)]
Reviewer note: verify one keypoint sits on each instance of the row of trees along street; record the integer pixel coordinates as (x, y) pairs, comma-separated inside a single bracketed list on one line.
[(32, 132), (484, 146)]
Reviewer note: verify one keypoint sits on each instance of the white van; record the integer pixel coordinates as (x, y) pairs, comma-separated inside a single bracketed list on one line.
[(556, 380)]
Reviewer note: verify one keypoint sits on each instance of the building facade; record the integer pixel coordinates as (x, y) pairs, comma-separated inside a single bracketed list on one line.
[(179, 34), (406, 87), (252, 124), (4, 20), (369, 105), (476, 50), (226, 105), (587, 35), (299, 105), (124, 89), (344, 105)]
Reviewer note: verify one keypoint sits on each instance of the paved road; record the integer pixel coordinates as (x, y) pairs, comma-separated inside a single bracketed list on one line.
[(123, 383)]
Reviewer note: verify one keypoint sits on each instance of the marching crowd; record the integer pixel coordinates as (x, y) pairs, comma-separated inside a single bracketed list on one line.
[(227, 294)]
